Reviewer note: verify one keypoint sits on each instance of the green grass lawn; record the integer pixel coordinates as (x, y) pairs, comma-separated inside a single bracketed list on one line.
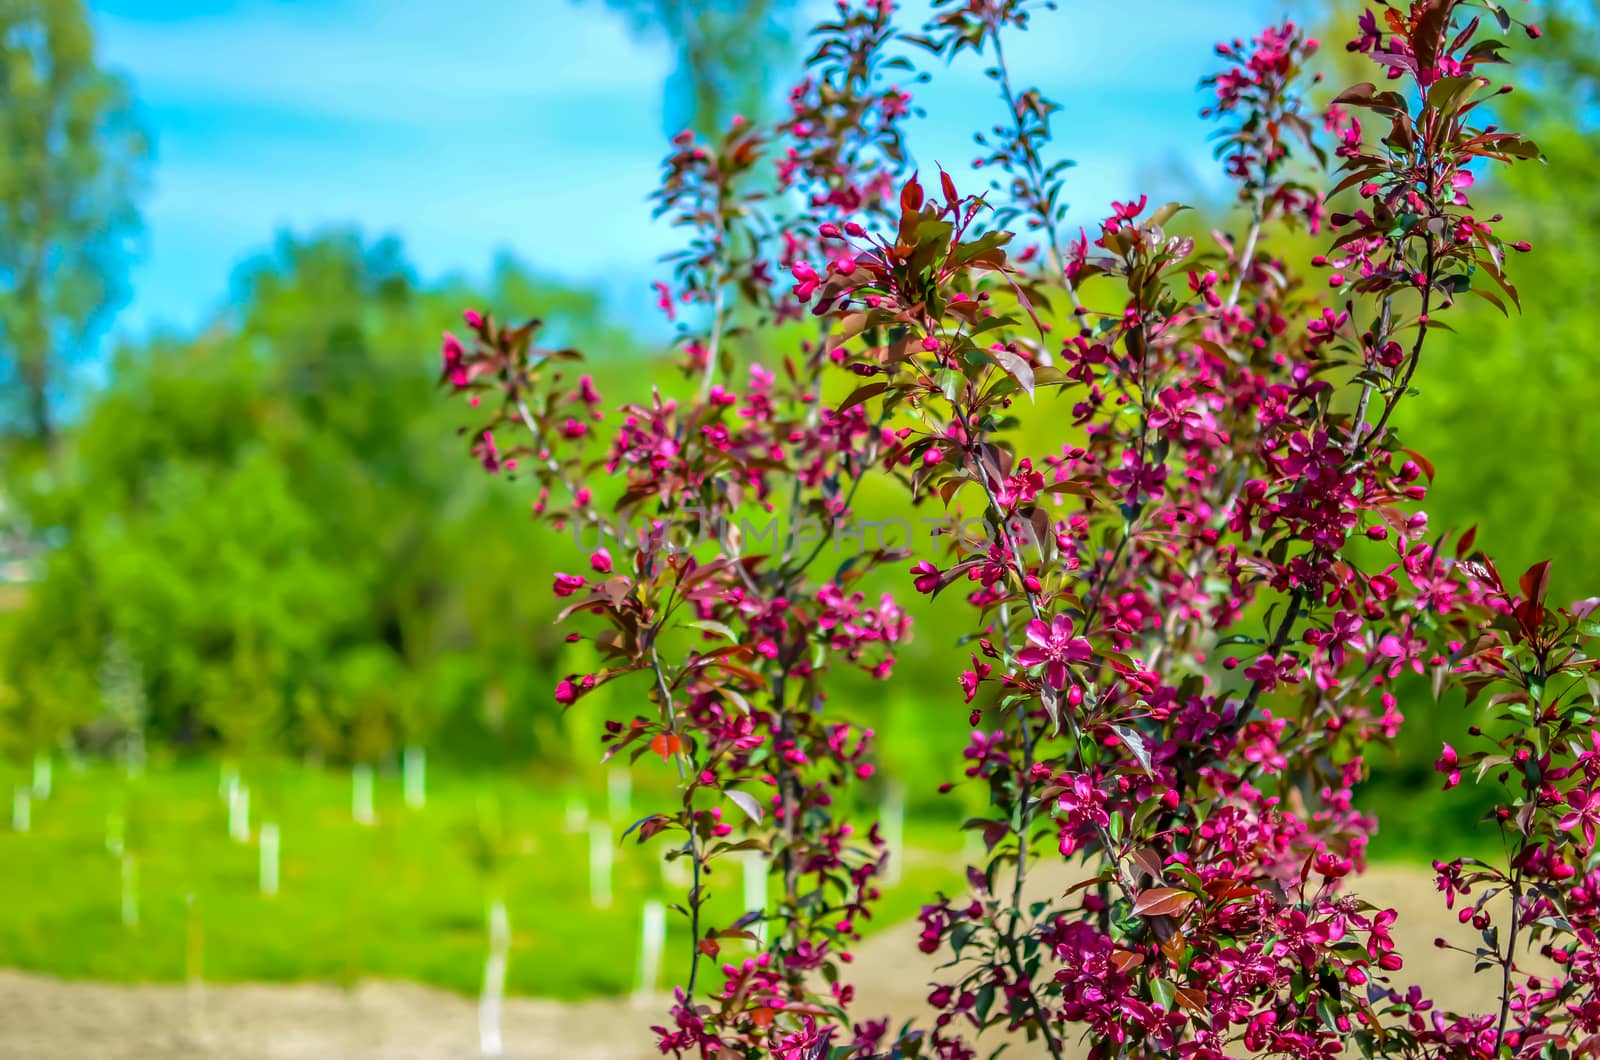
[(399, 899)]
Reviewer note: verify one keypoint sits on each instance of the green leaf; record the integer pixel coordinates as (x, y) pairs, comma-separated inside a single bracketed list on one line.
[(746, 802), (1168, 212), (712, 626), (984, 1002)]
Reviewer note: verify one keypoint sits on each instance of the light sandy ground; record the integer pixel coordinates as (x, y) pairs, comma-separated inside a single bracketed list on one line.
[(46, 1019)]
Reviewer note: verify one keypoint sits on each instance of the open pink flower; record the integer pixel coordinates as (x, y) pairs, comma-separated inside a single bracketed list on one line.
[(1053, 647), (971, 678), (1450, 766), (1585, 815), (1083, 812), (1021, 487)]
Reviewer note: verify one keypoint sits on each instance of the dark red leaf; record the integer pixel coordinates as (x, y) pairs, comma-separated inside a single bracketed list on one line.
[(1163, 901), (911, 196)]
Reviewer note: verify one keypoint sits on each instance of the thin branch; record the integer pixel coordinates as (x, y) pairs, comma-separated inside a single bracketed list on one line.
[(714, 343), (1257, 219), (671, 712), (1033, 170)]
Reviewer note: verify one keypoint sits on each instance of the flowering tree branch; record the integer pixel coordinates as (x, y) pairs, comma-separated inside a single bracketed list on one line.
[(1202, 482)]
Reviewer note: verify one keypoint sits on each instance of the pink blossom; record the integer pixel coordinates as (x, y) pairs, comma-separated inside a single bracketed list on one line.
[(1449, 765), (926, 577), (1053, 646), (1584, 815)]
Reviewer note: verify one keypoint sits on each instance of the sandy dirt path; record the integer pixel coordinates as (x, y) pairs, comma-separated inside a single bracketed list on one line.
[(46, 1019), (893, 976)]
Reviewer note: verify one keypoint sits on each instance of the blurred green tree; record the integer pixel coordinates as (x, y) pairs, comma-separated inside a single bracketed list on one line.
[(265, 517), (72, 160), (726, 52)]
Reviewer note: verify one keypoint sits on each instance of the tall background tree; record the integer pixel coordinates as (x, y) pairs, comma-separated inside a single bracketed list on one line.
[(726, 51), (72, 157), (263, 516)]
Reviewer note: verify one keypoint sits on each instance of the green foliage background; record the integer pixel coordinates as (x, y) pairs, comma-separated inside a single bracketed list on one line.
[(272, 517)]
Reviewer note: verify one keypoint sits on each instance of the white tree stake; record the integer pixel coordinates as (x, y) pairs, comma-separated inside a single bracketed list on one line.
[(619, 796), (134, 755), (892, 819), (414, 776), (361, 795), (41, 775), (239, 814), (130, 891), (577, 819), (21, 809), (269, 860), (600, 865), (494, 980), (227, 780), (652, 941), (755, 892)]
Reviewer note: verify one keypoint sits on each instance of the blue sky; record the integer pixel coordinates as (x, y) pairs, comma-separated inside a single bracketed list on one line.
[(535, 126)]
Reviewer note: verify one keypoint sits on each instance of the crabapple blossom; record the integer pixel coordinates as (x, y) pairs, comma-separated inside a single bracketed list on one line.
[(1187, 612)]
